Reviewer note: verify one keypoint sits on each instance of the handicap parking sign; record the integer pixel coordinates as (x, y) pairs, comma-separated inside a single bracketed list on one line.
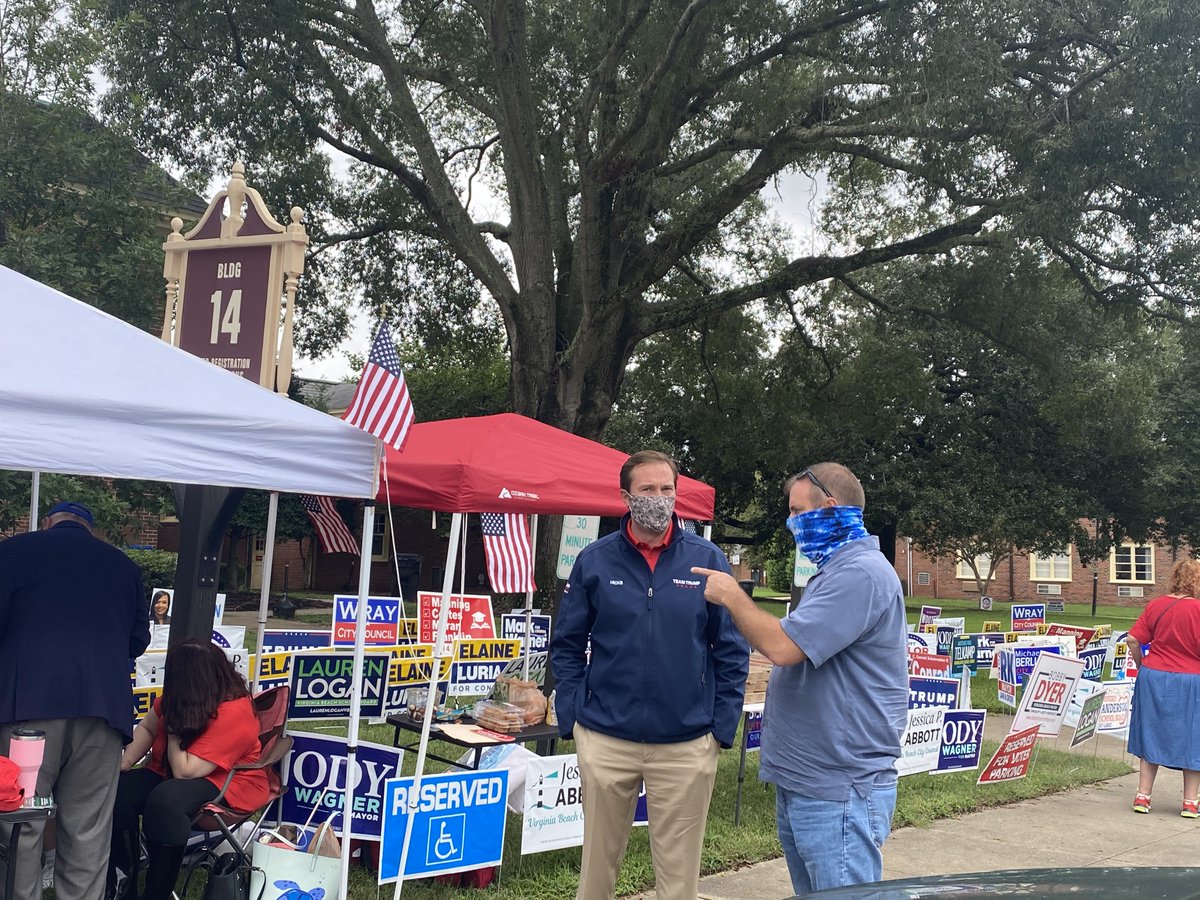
[(458, 821)]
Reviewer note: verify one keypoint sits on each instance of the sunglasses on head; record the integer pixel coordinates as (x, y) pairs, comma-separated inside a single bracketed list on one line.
[(807, 473)]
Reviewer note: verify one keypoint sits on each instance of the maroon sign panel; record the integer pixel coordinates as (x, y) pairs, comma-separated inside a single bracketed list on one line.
[(224, 317)]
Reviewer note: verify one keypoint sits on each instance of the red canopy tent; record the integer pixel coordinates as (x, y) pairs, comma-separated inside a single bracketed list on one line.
[(511, 463)]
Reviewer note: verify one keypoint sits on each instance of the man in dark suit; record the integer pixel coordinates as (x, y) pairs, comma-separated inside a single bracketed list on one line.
[(72, 614)]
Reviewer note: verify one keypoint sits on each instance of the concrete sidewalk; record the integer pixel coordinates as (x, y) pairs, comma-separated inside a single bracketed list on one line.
[(1090, 826)]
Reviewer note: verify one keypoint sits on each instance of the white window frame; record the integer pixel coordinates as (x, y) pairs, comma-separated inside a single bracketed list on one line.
[(923, 579), (963, 571), (1055, 562), (1132, 549), (380, 534)]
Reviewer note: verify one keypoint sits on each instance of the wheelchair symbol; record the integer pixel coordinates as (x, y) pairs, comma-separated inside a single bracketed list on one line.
[(446, 839)]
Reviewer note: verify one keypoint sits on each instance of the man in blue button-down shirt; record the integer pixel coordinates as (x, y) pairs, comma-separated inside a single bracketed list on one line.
[(838, 696)]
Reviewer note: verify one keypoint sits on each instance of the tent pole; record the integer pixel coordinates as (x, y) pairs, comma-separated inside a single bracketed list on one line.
[(35, 489), (360, 633), (533, 524), (456, 528), (264, 598), (462, 572), (708, 531)]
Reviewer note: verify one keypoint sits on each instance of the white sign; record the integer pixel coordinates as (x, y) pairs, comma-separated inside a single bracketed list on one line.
[(577, 533), (553, 811), (805, 569), (1116, 709), (922, 742), (1048, 693)]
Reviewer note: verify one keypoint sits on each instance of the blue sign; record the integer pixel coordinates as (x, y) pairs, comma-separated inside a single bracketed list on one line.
[(985, 648), (315, 778), (512, 627), (752, 732), (962, 740), (281, 641), (383, 620), (1093, 664), (945, 638), (1025, 658), (1027, 616), (458, 823), (927, 692), (964, 652)]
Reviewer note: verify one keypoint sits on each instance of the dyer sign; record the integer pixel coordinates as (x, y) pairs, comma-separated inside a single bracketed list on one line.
[(458, 823)]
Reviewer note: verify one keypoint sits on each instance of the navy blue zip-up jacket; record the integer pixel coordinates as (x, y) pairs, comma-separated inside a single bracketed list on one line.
[(666, 665)]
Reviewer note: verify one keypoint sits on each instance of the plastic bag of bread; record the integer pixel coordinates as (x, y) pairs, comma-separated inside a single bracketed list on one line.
[(527, 695)]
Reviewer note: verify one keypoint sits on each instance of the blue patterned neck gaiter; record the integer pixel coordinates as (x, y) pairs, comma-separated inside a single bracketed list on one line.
[(819, 532)]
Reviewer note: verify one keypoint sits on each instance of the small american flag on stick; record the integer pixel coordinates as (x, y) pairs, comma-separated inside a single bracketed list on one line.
[(331, 529), (509, 554), (381, 405)]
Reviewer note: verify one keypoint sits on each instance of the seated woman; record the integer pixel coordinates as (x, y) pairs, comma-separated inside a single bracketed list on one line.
[(202, 726)]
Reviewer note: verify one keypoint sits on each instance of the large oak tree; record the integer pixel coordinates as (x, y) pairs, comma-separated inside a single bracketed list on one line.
[(629, 142)]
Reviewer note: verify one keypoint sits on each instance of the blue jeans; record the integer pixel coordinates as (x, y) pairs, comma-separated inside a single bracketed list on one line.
[(829, 843)]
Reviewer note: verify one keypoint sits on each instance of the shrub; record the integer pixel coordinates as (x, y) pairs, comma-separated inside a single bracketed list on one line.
[(779, 573), (158, 567)]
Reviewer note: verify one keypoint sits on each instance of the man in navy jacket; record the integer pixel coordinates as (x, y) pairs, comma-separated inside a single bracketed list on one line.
[(72, 615), (661, 692)]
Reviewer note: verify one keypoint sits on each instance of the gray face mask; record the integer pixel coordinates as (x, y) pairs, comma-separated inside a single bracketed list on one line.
[(652, 513)]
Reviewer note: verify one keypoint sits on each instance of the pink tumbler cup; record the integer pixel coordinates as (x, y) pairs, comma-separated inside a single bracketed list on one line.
[(25, 748)]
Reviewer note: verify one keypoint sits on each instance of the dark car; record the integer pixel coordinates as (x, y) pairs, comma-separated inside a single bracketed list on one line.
[(1167, 883)]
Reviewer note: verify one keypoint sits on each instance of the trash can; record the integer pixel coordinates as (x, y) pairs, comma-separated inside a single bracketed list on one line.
[(747, 585), (409, 567)]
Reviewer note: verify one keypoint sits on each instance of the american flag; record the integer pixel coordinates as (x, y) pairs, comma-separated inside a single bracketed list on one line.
[(331, 529), (381, 405), (509, 555)]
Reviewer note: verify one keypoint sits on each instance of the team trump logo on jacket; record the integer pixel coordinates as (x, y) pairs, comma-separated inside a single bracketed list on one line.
[(686, 582)]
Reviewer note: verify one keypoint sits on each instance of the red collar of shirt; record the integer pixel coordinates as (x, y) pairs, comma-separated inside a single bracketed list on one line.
[(649, 553)]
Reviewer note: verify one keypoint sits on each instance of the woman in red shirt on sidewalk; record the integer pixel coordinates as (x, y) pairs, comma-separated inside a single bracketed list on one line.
[(1165, 727), (202, 726)]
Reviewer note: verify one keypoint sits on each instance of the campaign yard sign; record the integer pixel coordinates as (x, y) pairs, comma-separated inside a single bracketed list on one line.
[(274, 670), (945, 639), (985, 648), (470, 616), (1093, 663), (963, 650), (477, 665), (752, 730), (922, 740), (383, 620), (1028, 616), (993, 626), (1006, 681), (1089, 719), (920, 642), (1082, 635), (321, 683), (315, 779), (1116, 708), (1012, 758), (512, 627), (1048, 694), (924, 693), (537, 667), (928, 614), (928, 665), (280, 640), (962, 741), (553, 808), (458, 823)]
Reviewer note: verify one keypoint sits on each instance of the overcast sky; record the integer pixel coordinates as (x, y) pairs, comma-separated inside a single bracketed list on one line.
[(794, 198)]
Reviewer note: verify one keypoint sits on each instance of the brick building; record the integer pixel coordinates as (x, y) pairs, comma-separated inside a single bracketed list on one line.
[(1129, 575)]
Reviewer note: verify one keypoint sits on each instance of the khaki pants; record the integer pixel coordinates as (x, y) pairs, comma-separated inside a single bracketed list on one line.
[(679, 781)]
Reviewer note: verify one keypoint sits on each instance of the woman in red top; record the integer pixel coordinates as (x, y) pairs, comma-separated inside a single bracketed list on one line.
[(1165, 727), (202, 726)]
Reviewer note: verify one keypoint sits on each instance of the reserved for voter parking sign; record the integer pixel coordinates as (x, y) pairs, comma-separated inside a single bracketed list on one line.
[(458, 823)]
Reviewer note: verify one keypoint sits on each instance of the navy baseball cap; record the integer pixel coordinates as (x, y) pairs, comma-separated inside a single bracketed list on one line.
[(75, 509)]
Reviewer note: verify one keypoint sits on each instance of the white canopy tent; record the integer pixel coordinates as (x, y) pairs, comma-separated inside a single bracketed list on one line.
[(84, 393)]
